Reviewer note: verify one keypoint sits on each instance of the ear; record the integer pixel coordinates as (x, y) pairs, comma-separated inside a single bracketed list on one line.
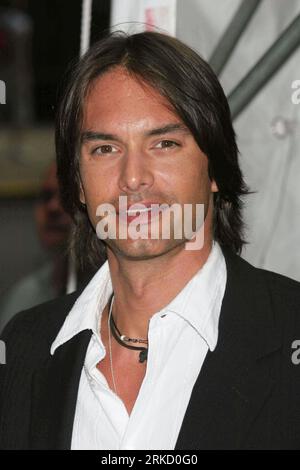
[(214, 188)]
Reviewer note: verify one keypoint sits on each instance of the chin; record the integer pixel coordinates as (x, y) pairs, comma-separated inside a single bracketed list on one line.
[(143, 249)]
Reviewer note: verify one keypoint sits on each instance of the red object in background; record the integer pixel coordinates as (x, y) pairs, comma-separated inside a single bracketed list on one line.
[(3, 39)]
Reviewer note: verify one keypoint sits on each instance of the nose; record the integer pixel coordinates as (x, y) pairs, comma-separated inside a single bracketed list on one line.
[(54, 204), (136, 172)]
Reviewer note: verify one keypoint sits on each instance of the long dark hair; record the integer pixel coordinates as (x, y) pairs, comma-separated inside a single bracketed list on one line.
[(195, 93)]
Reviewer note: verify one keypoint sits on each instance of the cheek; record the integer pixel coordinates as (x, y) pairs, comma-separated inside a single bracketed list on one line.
[(96, 188), (90, 183), (193, 181)]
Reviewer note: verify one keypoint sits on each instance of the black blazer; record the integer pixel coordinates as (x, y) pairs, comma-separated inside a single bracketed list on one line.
[(247, 395)]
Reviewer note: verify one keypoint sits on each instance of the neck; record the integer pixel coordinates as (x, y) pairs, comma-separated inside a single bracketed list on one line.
[(143, 287)]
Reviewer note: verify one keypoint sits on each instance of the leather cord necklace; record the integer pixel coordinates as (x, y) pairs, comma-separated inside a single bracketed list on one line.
[(123, 339)]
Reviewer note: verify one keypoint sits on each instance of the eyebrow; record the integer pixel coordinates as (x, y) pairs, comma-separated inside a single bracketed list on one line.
[(88, 136)]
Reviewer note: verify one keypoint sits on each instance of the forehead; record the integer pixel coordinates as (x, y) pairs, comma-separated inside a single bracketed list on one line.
[(121, 97)]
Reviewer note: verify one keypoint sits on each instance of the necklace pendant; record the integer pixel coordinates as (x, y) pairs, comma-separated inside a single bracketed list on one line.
[(143, 355)]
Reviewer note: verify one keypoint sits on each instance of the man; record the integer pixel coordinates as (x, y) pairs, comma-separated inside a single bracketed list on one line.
[(50, 279), (58, 275), (168, 347)]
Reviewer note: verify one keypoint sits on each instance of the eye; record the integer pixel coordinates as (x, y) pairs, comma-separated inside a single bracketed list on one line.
[(104, 149), (165, 144)]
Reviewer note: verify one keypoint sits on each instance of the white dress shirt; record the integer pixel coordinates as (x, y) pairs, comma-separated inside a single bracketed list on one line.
[(178, 340)]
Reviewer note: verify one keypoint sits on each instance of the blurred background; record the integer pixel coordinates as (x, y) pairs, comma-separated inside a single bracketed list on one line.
[(253, 47), (38, 39)]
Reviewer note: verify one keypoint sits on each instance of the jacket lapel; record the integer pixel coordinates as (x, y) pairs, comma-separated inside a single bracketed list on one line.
[(236, 378), (54, 395)]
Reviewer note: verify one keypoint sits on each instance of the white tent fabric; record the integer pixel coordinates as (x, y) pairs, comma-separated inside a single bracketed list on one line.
[(268, 130)]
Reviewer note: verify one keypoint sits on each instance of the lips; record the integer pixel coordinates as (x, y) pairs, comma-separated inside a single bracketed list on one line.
[(136, 206), (142, 210)]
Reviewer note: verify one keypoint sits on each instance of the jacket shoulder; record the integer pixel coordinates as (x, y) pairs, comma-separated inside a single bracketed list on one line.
[(284, 296), (277, 283), (282, 286), (258, 284), (36, 328), (285, 300)]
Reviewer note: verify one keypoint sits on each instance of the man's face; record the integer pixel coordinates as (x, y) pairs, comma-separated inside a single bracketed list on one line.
[(135, 145)]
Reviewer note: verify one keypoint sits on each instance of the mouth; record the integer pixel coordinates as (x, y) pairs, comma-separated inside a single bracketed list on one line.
[(145, 213)]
